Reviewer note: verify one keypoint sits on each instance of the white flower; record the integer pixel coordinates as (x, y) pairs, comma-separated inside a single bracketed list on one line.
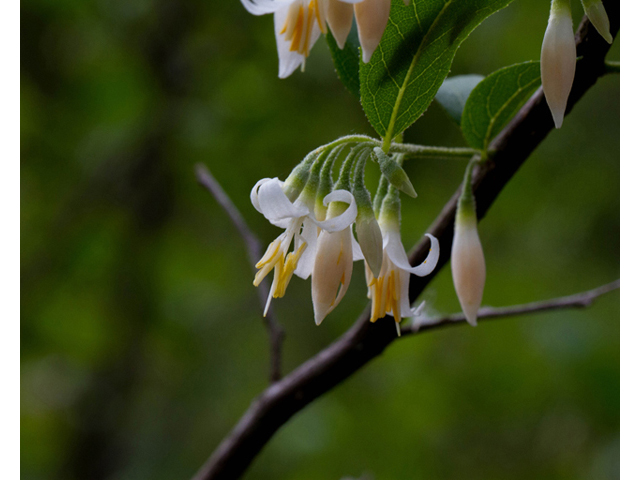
[(301, 228), (389, 293), (298, 24), (467, 263), (558, 59), (336, 251)]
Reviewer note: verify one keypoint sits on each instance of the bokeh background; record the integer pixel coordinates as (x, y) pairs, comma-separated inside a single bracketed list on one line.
[(142, 341)]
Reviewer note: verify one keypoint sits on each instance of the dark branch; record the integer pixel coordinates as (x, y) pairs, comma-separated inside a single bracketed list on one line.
[(254, 250), (579, 300), (365, 340)]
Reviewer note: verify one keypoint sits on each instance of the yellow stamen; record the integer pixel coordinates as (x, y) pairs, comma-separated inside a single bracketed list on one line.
[(309, 29), (297, 31), (319, 15), (269, 254), (290, 265), (394, 297)]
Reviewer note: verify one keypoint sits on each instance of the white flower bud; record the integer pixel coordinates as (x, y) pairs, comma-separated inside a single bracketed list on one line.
[(467, 264), (558, 59), (598, 17)]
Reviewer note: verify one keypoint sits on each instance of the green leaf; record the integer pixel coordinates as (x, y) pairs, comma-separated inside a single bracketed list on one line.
[(454, 92), (414, 58), (496, 100), (347, 60)]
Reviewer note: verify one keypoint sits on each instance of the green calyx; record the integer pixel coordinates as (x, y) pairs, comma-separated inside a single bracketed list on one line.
[(466, 211), (392, 170), (297, 179), (390, 209)]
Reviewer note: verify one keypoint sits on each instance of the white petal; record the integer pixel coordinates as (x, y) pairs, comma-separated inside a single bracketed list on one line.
[(254, 193), (332, 270), (260, 7), (372, 17), (275, 205), (468, 268), (398, 256), (288, 60), (357, 251), (339, 18), (346, 218), (558, 63), (309, 235)]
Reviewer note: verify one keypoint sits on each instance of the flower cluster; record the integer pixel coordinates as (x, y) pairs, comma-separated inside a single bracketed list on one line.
[(318, 217), (299, 23)]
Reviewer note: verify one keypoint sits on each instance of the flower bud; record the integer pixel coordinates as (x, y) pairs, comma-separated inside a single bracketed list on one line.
[(558, 59), (467, 258), (598, 17)]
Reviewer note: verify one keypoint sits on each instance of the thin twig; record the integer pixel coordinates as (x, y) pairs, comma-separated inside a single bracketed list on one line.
[(254, 251), (365, 340), (579, 300)]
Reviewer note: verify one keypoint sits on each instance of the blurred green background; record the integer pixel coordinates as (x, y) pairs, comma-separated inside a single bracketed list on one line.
[(141, 336)]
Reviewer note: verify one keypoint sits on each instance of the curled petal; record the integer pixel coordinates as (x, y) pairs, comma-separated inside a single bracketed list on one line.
[(275, 205), (398, 256), (254, 193), (346, 218)]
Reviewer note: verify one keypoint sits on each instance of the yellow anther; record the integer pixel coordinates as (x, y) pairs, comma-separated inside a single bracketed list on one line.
[(269, 254), (297, 31), (315, 5)]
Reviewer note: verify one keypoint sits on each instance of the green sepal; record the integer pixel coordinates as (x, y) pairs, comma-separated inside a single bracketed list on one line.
[(367, 228), (394, 173)]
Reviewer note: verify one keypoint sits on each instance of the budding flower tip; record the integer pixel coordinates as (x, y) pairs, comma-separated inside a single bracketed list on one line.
[(409, 190), (558, 117), (398, 328), (472, 320)]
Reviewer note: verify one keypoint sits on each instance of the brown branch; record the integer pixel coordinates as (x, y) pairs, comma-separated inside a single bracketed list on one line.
[(254, 251), (365, 340), (579, 300)]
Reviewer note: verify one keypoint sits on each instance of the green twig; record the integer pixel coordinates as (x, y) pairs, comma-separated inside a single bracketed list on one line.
[(420, 151)]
